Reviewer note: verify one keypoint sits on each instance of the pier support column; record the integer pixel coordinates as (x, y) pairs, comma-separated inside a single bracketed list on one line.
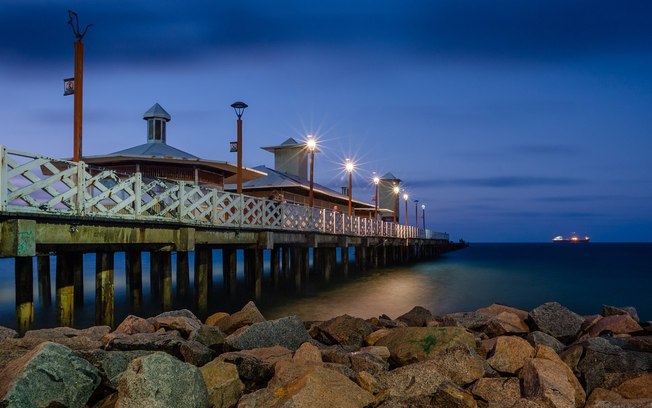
[(166, 280), (249, 260), (44, 283), (78, 271), (295, 265), (275, 264), (345, 259), (305, 262), (104, 292), (24, 272), (258, 273), (285, 261), (65, 287), (134, 276), (202, 259), (183, 274), (229, 269), (155, 274)]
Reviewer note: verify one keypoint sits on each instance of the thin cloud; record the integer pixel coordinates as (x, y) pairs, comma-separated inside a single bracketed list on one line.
[(499, 182)]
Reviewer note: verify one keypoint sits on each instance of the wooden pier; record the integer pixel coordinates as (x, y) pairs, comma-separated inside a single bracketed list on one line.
[(50, 206)]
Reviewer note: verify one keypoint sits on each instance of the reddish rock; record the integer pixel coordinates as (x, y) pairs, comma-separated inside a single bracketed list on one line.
[(256, 367), (307, 352), (626, 310), (215, 317), (498, 391), (450, 395), (461, 364), (616, 324), (510, 354), (344, 330), (134, 324), (506, 323), (373, 337), (417, 317), (187, 326), (248, 315), (496, 309), (637, 387)]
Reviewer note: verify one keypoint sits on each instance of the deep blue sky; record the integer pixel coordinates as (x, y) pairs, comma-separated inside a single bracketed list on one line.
[(512, 120)]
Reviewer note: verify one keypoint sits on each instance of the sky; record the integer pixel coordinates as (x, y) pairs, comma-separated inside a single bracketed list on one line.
[(511, 120)]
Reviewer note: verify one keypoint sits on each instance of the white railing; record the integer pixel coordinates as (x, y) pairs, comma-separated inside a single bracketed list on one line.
[(42, 185)]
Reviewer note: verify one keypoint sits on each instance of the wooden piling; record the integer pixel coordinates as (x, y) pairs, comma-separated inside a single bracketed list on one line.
[(166, 280), (78, 272), (201, 278), (134, 276), (275, 265), (229, 269), (155, 274), (183, 274), (44, 283), (65, 288), (285, 261), (104, 291), (24, 272), (344, 256)]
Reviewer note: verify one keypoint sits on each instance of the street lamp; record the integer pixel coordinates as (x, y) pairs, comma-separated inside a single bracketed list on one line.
[(423, 215), (405, 197), (349, 168), (239, 108), (396, 190), (376, 181), (416, 213), (312, 144)]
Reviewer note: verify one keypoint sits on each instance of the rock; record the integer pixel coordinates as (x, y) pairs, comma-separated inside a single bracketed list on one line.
[(169, 342), (423, 378), (417, 317), (110, 363), (526, 403), (215, 317), (210, 336), (222, 383), (134, 324), (469, 320), (7, 333), (287, 332), (627, 310), (344, 330), (419, 401), (411, 344), (183, 324), (616, 324), (499, 391), (361, 361), (248, 315), (48, 375), (308, 385), (505, 323), (486, 346), (605, 364), (372, 338), (510, 354), (367, 382), (496, 309), (381, 352), (571, 355), (256, 367), (547, 378), (450, 395), (538, 337), (160, 380), (195, 353), (557, 321), (75, 339), (637, 387), (307, 353), (638, 343)]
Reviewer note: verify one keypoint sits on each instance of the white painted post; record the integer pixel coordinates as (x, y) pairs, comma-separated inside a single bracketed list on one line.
[(138, 191), (241, 212), (80, 203), (181, 196)]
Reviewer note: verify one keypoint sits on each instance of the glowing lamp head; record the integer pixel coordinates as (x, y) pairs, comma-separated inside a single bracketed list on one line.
[(311, 143), (376, 180), (349, 166), (423, 206), (396, 190), (405, 196)]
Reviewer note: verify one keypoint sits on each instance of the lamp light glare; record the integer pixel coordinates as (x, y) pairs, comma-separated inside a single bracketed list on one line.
[(397, 189), (405, 196), (311, 143), (349, 166), (376, 180)]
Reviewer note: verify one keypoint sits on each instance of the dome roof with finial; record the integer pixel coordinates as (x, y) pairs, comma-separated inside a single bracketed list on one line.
[(157, 111)]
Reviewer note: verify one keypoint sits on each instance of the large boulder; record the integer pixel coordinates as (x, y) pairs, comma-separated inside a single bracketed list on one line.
[(469, 320), (308, 385), (256, 367), (183, 321), (46, 376), (510, 354), (210, 336), (344, 330), (423, 378), (248, 315), (496, 309), (417, 317), (134, 324), (286, 332), (411, 344), (498, 391), (557, 321), (505, 323), (222, 383), (7, 333), (450, 395), (547, 381), (189, 351), (76, 339), (462, 364), (160, 381), (625, 310), (538, 337), (615, 324), (111, 364), (637, 387)]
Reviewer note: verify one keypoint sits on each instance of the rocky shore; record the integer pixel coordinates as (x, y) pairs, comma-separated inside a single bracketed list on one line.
[(497, 356)]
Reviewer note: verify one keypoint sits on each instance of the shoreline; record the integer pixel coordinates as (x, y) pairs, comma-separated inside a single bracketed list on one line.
[(493, 356)]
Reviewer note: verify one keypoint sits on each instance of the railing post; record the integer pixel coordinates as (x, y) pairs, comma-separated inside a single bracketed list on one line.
[(3, 178), (181, 197), (323, 220), (213, 206), (138, 191), (241, 212), (80, 203)]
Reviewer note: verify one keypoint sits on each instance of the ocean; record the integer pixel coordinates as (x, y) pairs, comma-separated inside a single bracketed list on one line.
[(581, 277)]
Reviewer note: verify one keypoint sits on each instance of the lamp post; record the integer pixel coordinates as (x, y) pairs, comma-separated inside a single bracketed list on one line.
[(423, 215), (405, 197), (396, 191), (416, 213), (349, 168), (239, 108), (376, 181), (312, 144), (78, 84)]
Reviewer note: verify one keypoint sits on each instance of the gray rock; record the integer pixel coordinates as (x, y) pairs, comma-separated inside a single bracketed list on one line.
[(613, 310), (111, 363), (463, 365), (169, 342), (210, 336), (538, 337), (287, 332), (605, 364), (183, 321), (344, 330), (48, 375), (7, 333), (469, 320), (417, 317), (256, 367), (76, 339), (160, 380), (557, 321)]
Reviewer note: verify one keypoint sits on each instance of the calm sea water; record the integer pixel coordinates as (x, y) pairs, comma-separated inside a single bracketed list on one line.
[(581, 277)]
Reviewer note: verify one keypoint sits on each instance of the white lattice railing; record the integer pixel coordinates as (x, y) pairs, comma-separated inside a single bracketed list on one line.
[(36, 184)]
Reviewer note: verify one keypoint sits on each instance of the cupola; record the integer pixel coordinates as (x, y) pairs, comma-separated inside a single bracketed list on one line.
[(156, 118)]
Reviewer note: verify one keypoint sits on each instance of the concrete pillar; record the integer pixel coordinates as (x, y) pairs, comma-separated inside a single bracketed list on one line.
[(104, 292), (24, 272), (166, 280), (65, 287), (229, 269), (183, 274), (78, 271), (134, 276), (202, 256), (44, 284), (275, 265)]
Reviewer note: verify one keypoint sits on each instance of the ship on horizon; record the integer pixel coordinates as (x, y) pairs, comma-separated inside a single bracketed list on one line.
[(574, 239)]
